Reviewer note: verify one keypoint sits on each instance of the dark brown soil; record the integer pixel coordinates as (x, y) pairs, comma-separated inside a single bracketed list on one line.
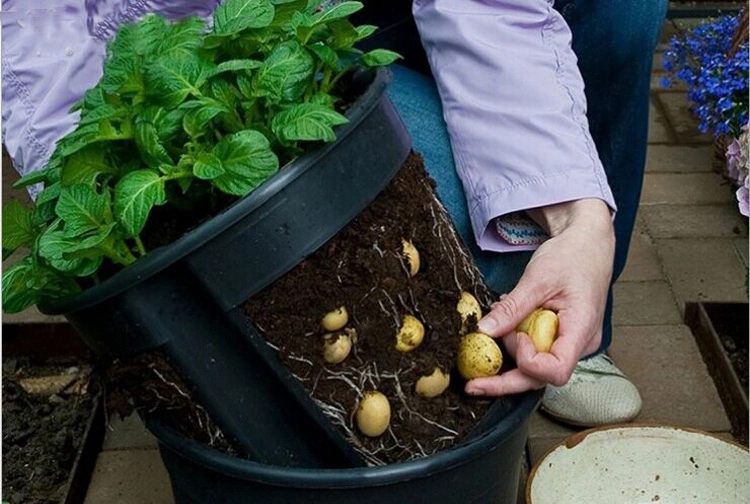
[(731, 324), (362, 268), (148, 383), (40, 438)]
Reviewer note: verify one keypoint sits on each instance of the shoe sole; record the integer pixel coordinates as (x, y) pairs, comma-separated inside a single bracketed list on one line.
[(573, 423)]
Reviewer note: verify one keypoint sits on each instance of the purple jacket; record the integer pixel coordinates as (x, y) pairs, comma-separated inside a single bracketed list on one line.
[(511, 90)]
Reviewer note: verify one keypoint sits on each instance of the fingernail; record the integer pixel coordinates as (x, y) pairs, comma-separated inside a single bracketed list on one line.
[(487, 324)]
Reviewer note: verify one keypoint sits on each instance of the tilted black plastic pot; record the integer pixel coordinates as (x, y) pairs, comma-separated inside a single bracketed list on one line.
[(182, 299), (481, 470)]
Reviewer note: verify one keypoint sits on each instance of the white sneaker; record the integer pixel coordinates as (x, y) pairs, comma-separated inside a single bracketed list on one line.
[(597, 394)]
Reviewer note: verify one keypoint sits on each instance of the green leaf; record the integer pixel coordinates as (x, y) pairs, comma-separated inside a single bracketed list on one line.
[(33, 178), (247, 159), (135, 195), (17, 296), (339, 11), (182, 38), (195, 120), (169, 125), (233, 16), (152, 151), (379, 57), (323, 98), (284, 12), (307, 121), (50, 193), (170, 80), (326, 55), (53, 246), (104, 111), (365, 31), (18, 230), (285, 72), (208, 167), (225, 92), (84, 166), (238, 65), (82, 209), (344, 33)]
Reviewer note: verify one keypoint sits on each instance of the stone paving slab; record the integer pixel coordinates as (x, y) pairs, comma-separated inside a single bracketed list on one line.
[(682, 120), (129, 477), (679, 158), (684, 189), (741, 245), (687, 221), (644, 303), (128, 433), (643, 263), (658, 129), (665, 364), (703, 269)]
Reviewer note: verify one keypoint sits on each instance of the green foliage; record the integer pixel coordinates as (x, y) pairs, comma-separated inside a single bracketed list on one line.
[(180, 111)]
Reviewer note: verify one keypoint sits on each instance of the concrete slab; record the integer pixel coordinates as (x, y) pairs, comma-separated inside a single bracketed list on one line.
[(686, 221), (127, 434), (643, 262), (666, 366), (701, 269), (129, 477), (644, 303), (683, 121), (684, 189), (679, 158)]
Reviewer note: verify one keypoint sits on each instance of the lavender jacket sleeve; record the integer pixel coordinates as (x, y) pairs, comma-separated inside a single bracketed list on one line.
[(515, 108)]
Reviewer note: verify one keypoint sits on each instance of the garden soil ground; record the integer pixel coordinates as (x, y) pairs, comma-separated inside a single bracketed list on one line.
[(363, 269), (40, 438), (731, 324)]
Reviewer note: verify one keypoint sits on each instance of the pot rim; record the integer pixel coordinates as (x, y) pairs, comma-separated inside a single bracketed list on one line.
[(312, 478), (574, 439), (161, 258)]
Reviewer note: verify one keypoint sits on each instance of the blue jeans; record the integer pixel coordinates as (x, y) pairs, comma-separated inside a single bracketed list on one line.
[(614, 42)]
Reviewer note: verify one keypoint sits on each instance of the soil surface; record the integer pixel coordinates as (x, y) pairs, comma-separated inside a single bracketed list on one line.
[(363, 269), (731, 324), (41, 436)]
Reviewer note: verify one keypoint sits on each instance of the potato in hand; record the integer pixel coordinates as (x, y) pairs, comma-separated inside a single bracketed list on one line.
[(541, 326)]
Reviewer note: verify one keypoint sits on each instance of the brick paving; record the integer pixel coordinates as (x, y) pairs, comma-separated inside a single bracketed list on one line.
[(689, 244)]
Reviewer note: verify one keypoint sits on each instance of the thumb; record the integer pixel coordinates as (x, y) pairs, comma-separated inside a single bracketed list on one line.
[(511, 309)]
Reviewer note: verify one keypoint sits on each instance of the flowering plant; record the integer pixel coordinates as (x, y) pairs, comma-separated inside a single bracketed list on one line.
[(712, 59), (737, 169), (716, 74)]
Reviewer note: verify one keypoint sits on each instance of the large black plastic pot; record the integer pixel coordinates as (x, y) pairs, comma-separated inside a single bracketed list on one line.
[(182, 299), (482, 470)]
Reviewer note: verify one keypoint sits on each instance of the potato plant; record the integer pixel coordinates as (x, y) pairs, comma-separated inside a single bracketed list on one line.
[(180, 113)]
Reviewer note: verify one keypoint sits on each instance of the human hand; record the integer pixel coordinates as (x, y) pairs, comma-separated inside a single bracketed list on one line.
[(570, 274)]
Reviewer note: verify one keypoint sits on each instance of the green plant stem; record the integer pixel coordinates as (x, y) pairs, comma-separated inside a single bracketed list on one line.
[(139, 244), (338, 77)]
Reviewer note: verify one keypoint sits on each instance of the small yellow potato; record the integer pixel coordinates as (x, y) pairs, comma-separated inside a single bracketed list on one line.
[(412, 256), (336, 346), (335, 319), (433, 385), (467, 307), (541, 326), (478, 356), (410, 335), (373, 414)]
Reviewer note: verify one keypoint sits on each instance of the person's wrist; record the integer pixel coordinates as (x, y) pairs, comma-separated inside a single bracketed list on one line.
[(590, 214)]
